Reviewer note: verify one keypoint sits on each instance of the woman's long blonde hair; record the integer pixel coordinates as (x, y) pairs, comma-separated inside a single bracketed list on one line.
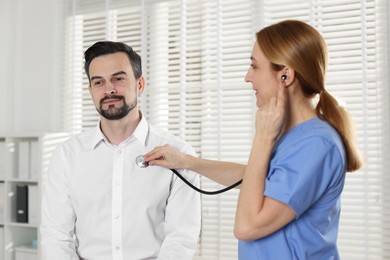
[(298, 45)]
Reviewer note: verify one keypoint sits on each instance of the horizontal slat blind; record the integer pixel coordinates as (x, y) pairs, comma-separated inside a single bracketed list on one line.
[(228, 109)]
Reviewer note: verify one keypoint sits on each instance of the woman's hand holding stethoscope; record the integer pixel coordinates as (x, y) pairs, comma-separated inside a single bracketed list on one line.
[(166, 156)]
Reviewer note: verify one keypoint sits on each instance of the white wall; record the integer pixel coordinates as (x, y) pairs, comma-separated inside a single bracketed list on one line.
[(30, 72), (4, 48)]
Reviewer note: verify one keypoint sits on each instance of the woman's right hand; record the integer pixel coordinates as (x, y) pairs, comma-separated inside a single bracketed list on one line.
[(166, 156), (270, 118)]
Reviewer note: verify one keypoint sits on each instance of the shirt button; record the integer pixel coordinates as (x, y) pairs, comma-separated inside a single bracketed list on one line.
[(117, 247), (117, 217)]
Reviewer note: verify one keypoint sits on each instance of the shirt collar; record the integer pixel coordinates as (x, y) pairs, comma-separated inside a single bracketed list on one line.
[(141, 133)]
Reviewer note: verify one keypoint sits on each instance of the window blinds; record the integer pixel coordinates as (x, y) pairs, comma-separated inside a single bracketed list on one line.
[(195, 56)]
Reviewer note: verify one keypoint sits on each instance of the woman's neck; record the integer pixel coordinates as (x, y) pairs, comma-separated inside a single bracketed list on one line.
[(299, 110)]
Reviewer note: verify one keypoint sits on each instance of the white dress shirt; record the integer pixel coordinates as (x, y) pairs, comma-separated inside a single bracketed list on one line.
[(99, 205)]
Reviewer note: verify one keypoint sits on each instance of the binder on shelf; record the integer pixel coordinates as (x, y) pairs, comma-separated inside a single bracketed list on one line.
[(34, 160), (22, 203), (1, 243), (26, 252), (2, 159), (2, 202), (24, 159), (33, 208)]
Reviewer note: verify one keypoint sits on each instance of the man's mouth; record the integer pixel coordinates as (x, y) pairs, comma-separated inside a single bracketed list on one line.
[(111, 99)]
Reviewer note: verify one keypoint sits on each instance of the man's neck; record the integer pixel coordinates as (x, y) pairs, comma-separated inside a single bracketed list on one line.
[(117, 131)]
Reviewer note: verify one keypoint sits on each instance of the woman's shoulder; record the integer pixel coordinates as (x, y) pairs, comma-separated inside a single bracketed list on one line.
[(321, 129), (314, 132), (313, 128)]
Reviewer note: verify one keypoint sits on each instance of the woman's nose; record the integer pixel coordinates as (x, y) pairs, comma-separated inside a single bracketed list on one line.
[(247, 77)]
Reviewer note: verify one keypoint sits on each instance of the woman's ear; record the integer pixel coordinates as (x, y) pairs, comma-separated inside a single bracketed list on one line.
[(287, 75)]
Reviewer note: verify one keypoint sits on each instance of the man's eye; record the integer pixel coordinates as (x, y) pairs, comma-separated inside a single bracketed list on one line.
[(97, 83), (120, 78)]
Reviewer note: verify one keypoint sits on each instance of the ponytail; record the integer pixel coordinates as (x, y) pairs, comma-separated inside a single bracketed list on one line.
[(328, 109)]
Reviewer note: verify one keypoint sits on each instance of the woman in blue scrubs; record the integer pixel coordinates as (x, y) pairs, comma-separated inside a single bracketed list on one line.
[(289, 201)]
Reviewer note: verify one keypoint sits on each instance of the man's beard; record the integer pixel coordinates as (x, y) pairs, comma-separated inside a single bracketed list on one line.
[(114, 113)]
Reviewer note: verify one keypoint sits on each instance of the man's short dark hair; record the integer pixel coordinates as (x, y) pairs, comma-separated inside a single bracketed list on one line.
[(109, 47)]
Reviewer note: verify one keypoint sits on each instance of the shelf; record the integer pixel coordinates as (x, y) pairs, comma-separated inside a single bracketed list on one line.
[(24, 159), (24, 225), (30, 181)]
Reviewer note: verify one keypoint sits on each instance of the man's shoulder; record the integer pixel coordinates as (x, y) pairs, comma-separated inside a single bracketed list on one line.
[(82, 138), (164, 135), (160, 136)]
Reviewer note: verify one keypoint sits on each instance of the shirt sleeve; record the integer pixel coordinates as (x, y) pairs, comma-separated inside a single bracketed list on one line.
[(302, 173), (58, 216), (182, 218)]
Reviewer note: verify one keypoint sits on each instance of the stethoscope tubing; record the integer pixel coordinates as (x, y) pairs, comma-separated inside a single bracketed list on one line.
[(140, 161), (203, 191)]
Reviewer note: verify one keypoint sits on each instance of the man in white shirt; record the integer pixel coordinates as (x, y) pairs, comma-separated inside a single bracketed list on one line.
[(97, 203)]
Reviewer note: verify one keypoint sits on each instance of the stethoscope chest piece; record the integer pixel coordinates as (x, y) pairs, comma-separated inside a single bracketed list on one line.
[(140, 161)]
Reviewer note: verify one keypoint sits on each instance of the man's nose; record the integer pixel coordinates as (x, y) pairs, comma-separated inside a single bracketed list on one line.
[(110, 92)]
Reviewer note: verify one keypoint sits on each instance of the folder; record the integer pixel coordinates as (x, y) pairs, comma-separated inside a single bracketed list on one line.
[(26, 252), (2, 159), (2, 243), (33, 208), (22, 203), (34, 160), (24, 159), (2, 202)]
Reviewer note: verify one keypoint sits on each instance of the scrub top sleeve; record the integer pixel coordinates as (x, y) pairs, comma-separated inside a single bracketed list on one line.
[(300, 174)]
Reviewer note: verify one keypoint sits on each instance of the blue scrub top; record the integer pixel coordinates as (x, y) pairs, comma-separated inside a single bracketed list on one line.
[(307, 172)]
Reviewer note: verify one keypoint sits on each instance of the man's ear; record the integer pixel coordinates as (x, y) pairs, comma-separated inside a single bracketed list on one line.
[(140, 85)]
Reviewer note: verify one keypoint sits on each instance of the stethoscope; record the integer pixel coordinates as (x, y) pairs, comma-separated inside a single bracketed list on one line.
[(140, 161)]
